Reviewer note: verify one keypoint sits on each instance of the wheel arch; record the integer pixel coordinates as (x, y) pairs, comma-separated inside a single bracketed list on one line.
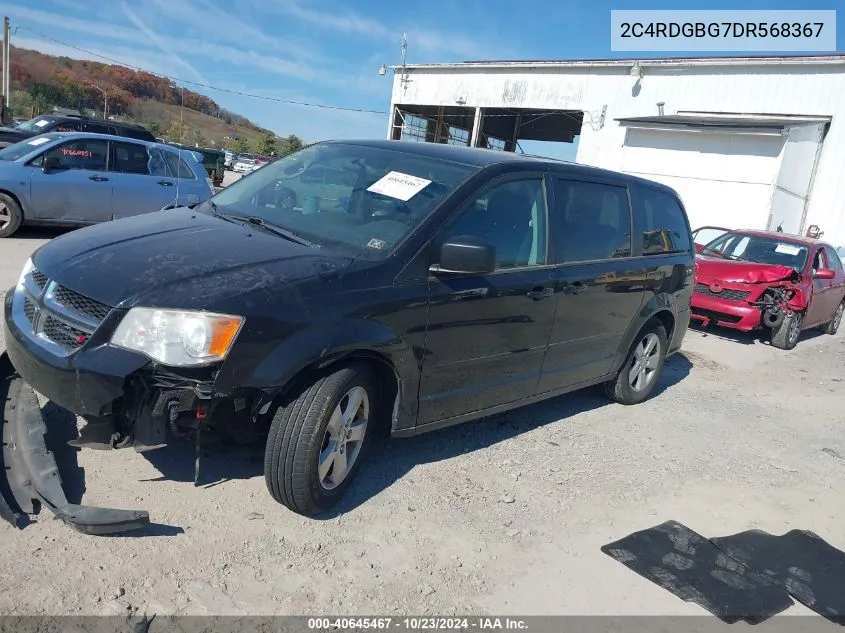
[(17, 200), (660, 309)]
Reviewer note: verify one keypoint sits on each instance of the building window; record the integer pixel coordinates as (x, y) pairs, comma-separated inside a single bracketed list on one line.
[(414, 128), (458, 136)]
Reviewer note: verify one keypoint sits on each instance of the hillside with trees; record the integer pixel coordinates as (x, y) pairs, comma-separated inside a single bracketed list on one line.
[(41, 82)]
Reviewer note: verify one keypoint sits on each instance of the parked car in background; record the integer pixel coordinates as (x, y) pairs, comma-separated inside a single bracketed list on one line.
[(703, 235), (458, 283), (63, 123), (244, 165), (75, 178), (229, 160), (747, 280)]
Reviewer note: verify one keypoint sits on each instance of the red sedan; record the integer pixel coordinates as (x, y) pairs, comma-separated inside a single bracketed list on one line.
[(747, 280)]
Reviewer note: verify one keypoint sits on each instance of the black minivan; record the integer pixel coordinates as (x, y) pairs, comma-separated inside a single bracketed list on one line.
[(65, 123), (354, 284)]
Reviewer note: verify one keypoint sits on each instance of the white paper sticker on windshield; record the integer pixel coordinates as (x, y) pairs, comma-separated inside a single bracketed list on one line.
[(38, 141), (787, 249), (398, 185), (42, 123)]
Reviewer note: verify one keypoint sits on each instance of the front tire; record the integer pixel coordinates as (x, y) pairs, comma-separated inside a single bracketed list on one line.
[(317, 440), (785, 336), (642, 368), (833, 326), (10, 216)]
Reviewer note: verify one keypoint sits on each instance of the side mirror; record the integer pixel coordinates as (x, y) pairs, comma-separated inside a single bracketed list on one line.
[(51, 163), (699, 248), (825, 273), (465, 255)]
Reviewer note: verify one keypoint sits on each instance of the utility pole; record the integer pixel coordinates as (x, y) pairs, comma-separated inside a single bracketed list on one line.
[(6, 61)]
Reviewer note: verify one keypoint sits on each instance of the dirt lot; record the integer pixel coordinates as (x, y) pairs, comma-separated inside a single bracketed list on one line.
[(505, 516)]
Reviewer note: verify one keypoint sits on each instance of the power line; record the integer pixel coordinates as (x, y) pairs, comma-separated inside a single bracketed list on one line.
[(537, 115), (202, 85)]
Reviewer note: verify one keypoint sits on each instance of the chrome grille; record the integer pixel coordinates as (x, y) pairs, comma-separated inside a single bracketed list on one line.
[(39, 278), (56, 318), (79, 303), (726, 293), (29, 309)]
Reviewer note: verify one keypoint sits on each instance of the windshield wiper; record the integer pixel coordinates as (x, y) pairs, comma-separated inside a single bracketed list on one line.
[(277, 230)]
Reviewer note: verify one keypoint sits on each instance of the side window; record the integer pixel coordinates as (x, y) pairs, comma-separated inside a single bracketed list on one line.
[(833, 260), (512, 218), (596, 221), (158, 165), (178, 166), (66, 126), (88, 154), (819, 260), (97, 128), (130, 158), (664, 228)]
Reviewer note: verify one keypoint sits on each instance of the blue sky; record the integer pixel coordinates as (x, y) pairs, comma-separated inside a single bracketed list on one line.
[(326, 51)]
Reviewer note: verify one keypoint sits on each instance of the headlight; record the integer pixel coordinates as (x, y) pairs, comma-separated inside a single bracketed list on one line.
[(27, 268), (177, 337)]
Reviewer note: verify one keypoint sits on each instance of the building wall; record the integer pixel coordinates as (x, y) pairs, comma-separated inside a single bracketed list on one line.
[(812, 89)]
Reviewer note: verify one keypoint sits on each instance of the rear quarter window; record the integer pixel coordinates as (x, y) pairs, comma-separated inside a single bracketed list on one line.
[(178, 166), (660, 221)]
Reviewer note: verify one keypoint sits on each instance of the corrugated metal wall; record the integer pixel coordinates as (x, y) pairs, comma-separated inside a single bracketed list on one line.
[(813, 89)]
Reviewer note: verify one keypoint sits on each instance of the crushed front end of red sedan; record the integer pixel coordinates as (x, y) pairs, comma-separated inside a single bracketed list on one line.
[(748, 280)]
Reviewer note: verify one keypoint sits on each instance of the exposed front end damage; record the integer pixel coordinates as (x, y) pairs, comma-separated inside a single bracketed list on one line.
[(753, 300), (32, 478)]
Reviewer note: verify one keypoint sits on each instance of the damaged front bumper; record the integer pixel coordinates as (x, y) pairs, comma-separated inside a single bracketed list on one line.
[(745, 307), (32, 476)]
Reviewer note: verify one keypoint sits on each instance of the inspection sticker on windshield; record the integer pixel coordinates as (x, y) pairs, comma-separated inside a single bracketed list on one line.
[(398, 185), (787, 249), (376, 243), (42, 123), (38, 141)]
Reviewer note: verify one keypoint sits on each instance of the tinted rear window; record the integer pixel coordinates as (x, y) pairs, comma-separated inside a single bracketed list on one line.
[(664, 227)]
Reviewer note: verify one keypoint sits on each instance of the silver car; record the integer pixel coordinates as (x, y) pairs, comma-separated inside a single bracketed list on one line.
[(76, 179)]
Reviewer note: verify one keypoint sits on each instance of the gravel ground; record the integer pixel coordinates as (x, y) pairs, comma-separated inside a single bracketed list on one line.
[(505, 516)]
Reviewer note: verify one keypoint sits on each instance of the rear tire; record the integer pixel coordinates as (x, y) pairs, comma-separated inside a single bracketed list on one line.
[(833, 326), (642, 368), (785, 336), (11, 216), (318, 440)]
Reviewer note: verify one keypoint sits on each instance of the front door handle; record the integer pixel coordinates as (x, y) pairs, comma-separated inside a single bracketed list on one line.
[(165, 183), (98, 178), (540, 293)]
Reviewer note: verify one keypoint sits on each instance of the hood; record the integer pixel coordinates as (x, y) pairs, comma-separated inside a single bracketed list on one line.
[(179, 258), (732, 271), (8, 132)]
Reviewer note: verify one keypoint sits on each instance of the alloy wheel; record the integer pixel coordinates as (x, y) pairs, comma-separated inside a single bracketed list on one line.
[(645, 362), (344, 438)]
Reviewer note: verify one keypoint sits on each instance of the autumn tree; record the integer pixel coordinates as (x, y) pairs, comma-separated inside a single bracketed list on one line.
[(240, 145), (291, 144), (268, 144)]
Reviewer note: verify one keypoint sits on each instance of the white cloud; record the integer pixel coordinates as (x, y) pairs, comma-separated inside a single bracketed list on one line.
[(160, 43), (428, 41)]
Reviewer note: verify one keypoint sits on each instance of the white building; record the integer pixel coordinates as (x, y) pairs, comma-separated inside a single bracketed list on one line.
[(750, 142)]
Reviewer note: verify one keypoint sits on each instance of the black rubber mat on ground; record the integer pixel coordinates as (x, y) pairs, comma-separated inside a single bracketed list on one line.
[(811, 570), (691, 567)]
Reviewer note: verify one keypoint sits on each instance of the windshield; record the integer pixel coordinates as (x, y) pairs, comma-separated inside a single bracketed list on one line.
[(34, 125), (360, 200), (758, 248), (22, 148)]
